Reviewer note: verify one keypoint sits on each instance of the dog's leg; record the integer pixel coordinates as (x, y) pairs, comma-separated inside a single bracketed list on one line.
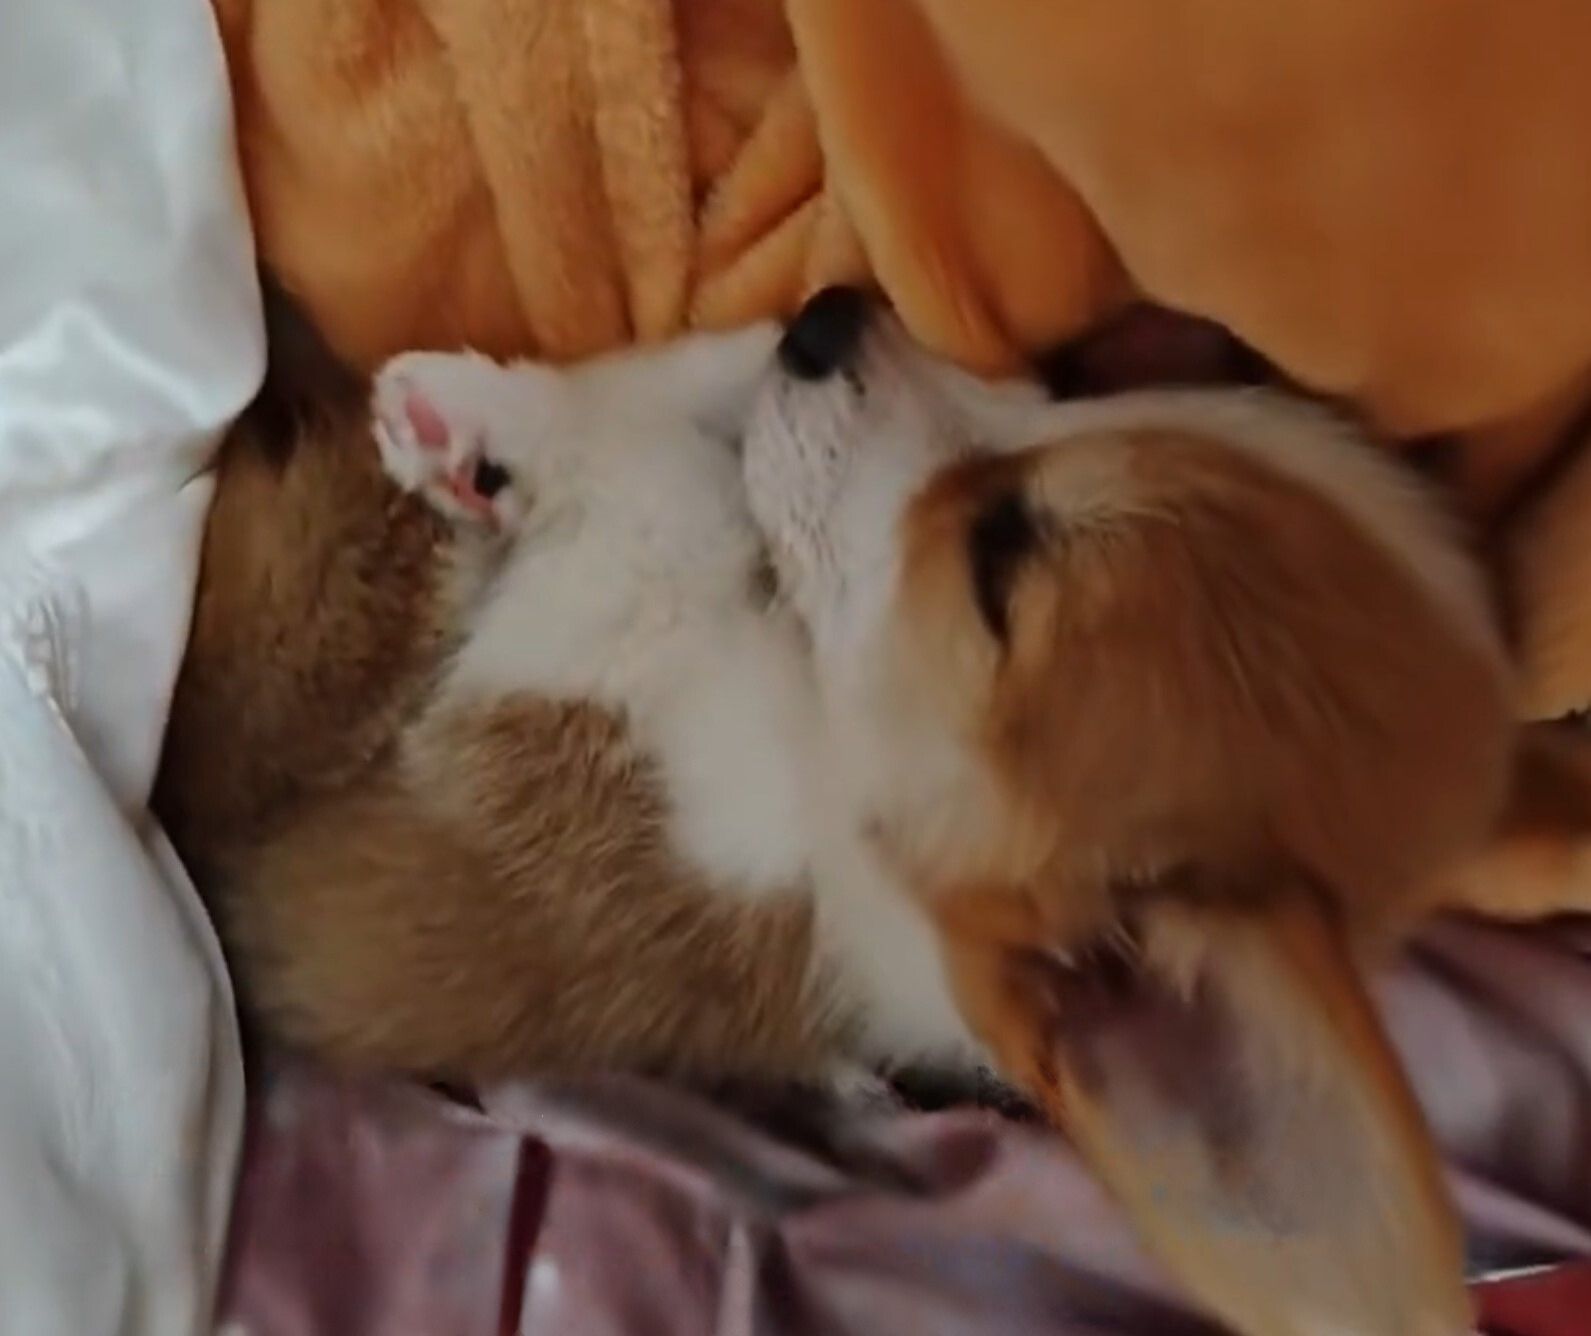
[(708, 379), (429, 414), (1538, 864)]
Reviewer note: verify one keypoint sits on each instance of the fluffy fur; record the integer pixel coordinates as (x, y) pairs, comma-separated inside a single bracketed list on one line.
[(579, 830), (1091, 738), (1227, 622), (1161, 707)]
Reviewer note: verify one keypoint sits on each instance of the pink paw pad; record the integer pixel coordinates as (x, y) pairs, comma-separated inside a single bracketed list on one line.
[(429, 453), (429, 426)]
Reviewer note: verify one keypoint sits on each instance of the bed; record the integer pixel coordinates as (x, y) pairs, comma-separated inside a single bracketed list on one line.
[(147, 1190)]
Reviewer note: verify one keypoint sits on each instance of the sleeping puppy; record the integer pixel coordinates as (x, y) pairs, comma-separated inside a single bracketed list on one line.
[(1057, 746), (1162, 707)]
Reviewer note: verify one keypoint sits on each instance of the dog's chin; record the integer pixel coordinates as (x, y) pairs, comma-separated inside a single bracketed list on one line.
[(793, 473), (795, 573), (831, 521)]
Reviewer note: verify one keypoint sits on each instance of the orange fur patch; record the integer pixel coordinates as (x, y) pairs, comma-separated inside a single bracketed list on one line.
[(1208, 666)]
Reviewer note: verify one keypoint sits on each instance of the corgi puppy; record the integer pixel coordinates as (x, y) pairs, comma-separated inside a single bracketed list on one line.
[(760, 705)]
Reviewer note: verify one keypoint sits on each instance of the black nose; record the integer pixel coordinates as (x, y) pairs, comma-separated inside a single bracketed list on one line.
[(825, 333)]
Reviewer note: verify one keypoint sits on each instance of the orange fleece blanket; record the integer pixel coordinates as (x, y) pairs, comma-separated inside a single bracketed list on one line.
[(1391, 199)]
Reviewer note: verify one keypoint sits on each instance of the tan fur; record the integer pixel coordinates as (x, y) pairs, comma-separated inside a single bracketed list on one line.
[(1312, 1241), (500, 900), (1223, 717), (316, 621), (1537, 863), (480, 893), (323, 614), (1230, 735), (1545, 551), (1208, 667)]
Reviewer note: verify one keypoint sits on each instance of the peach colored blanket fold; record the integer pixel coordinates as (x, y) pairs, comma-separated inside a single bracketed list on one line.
[(551, 176), (1391, 199)]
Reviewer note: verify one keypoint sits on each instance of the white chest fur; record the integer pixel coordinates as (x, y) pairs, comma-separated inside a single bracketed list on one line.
[(629, 582)]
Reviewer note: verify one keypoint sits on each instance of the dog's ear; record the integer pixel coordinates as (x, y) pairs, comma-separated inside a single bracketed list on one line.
[(1229, 1081)]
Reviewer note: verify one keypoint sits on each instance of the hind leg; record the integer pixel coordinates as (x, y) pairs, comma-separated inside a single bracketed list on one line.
[(1538, 863)]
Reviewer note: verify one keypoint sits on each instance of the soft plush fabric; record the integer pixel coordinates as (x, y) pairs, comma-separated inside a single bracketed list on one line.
[(527, 175), (1390, 199)]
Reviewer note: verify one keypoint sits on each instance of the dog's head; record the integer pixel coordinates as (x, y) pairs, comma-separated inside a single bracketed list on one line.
[(1159, 704)]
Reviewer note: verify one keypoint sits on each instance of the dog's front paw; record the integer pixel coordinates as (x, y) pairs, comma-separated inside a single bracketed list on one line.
[(429, 413)]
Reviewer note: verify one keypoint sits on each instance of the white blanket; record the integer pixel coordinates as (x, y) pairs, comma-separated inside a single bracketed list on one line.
[(129, 335)]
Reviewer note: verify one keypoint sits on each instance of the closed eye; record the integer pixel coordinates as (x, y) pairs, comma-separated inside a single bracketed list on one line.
[(1003, 535)]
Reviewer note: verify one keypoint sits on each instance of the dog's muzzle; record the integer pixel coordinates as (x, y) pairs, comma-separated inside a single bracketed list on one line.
[(826, 333)]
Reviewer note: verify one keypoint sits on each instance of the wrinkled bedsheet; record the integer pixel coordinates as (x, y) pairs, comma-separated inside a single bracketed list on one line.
[(130, 335), (621, 1208)]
